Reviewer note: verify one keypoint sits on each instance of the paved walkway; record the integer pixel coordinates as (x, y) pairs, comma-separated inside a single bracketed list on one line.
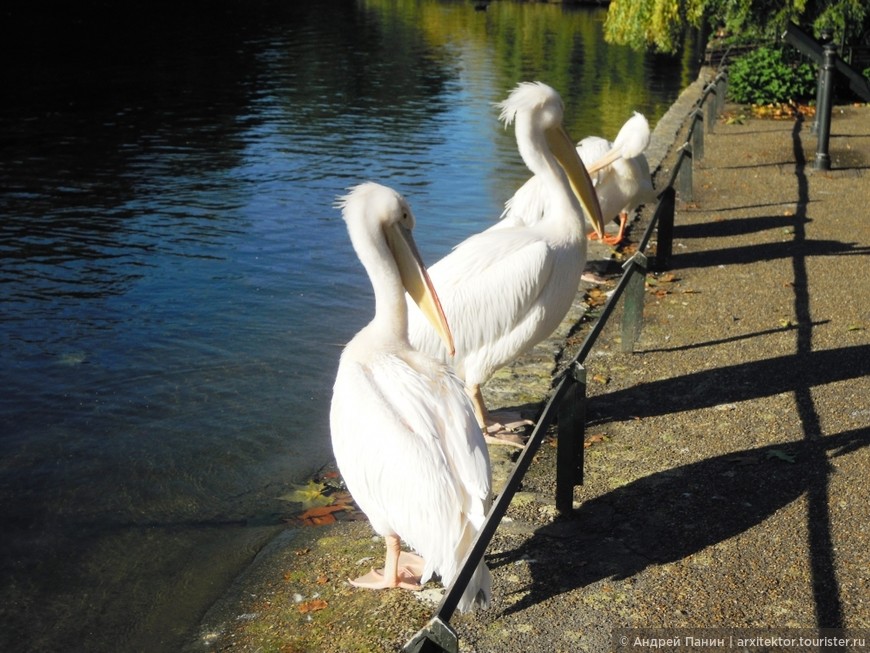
[(727, 469), (728, 472)]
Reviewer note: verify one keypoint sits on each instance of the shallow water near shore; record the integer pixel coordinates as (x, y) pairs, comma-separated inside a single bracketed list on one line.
[(177, 284)]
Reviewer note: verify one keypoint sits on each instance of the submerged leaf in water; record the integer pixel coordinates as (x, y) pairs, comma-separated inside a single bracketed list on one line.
[(309, 495)]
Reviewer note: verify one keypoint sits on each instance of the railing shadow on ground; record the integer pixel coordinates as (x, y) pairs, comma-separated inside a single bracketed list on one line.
[(567, 403)]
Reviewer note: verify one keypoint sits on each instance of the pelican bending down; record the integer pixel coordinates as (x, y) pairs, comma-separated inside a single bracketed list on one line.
[(620, 171), (507, 288), (403, 430)]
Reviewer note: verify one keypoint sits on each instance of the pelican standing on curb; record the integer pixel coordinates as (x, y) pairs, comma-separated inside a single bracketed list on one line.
[(620, 172), (404, 433), (507, 288)]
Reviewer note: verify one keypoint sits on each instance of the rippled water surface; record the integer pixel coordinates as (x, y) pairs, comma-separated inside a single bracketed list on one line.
[(177, 285)]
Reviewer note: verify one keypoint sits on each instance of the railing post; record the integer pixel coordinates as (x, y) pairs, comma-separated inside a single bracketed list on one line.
[(632, 312), (569, 446), (823, 108), (814, 125), (721, 91), (711, 109), (665, 229), (436, 637), (698, 134), (685, 181)]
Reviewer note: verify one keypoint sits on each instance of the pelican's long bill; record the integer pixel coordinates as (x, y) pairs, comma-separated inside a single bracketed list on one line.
[(611, 156), (563, 148), (416, 281)]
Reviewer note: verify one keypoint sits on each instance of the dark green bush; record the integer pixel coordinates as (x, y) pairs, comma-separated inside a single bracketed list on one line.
[(763, 76)]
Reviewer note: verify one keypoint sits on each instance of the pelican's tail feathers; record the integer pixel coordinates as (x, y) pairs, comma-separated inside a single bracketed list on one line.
[(478, 593)]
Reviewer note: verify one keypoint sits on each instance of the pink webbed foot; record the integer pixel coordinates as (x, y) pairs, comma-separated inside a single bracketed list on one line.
[(506, 429), (407, 576)]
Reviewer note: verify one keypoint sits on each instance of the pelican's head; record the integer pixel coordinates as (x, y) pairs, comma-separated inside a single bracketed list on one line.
[(538, 112), (533, 99), (380, 222)]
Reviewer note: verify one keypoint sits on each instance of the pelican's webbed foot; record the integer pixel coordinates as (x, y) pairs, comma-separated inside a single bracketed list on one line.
[(407, 576)]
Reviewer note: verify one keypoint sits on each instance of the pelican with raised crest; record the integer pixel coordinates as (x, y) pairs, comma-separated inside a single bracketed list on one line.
[(507, 288)]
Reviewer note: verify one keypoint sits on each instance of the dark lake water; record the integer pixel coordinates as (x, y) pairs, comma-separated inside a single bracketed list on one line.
[(176, 284)]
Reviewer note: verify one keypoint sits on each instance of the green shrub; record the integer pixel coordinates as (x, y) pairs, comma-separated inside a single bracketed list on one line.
[(763, 76)]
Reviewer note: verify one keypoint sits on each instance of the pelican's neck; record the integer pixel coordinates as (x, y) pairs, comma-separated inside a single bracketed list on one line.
[(391, 312), (561, 202), (532, 144)]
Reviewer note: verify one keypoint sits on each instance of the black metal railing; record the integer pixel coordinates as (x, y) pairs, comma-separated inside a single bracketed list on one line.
[(824, 54), (567, 403)]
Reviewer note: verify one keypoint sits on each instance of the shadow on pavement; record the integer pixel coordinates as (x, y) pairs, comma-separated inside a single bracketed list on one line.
[(670, 515)]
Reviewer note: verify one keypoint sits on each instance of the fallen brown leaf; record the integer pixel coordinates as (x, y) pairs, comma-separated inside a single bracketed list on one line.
[(594, 439), (321, 511), (320, 520), (312, 606), (596, 297)]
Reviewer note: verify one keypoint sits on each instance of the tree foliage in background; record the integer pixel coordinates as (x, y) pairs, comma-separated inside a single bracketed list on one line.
[(660, 24)]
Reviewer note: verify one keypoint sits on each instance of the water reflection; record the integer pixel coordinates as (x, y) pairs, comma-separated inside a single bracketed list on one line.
[(177, 284)]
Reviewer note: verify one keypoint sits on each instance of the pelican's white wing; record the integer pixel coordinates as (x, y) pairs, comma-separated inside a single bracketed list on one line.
[(411, 452), (525, 207), (501, 294)]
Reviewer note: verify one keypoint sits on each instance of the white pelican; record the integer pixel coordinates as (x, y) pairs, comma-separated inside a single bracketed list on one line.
[(507, 288), (619, 171), (404, 433)]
